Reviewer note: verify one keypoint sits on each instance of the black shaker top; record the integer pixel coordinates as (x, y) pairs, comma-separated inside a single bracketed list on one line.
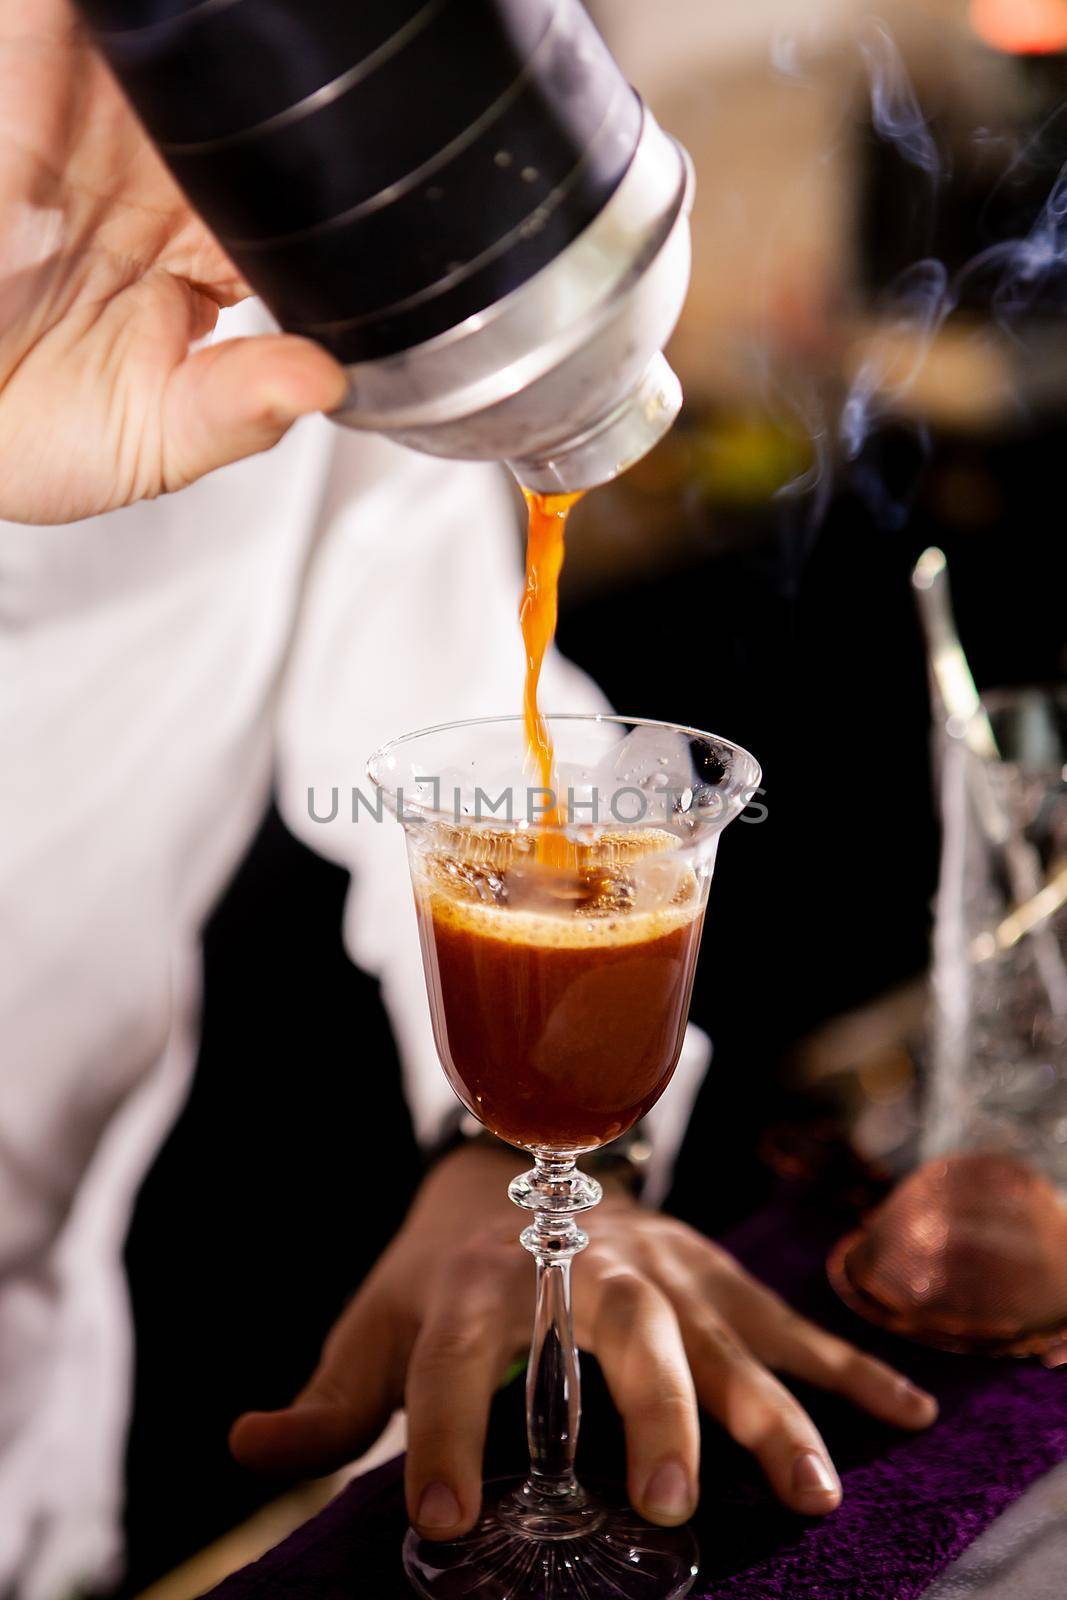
[(379, 169)]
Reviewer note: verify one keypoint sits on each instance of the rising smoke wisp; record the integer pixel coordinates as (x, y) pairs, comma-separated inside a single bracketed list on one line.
[(913, 309)]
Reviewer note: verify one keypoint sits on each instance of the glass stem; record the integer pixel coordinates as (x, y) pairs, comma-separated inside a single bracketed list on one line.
[(556, 1192), (553, 1385)]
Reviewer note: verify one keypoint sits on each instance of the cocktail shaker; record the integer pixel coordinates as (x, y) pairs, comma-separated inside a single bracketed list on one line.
[(463, 200)]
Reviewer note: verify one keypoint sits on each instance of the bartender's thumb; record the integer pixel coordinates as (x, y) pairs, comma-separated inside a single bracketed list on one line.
[(236, 398)]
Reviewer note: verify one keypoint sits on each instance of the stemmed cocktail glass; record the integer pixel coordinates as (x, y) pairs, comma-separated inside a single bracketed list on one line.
[(559, 960)]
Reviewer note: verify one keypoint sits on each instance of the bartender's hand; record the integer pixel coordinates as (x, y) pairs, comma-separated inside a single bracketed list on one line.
[(107, 278), (673, 1320)]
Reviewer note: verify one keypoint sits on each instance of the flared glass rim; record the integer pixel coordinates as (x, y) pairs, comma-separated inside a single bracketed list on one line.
[(414, 807)]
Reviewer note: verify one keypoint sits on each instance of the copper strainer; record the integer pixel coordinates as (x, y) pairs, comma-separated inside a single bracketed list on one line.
[(969, 1253)]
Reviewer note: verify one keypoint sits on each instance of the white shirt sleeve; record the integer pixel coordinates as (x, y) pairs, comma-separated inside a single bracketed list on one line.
[(139, 658)]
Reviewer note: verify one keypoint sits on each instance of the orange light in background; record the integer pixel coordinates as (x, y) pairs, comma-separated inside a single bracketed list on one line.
[(1021, 27)]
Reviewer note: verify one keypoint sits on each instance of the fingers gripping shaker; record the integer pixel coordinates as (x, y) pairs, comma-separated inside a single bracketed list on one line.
[(462, 200)]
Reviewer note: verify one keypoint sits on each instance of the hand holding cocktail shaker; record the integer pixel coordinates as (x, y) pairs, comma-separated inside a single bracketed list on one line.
[(463, 200)]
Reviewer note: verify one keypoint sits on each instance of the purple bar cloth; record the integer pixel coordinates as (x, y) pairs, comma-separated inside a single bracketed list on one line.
[(912, 1502)]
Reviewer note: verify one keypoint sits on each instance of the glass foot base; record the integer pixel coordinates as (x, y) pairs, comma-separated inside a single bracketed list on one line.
[(604, 1551)]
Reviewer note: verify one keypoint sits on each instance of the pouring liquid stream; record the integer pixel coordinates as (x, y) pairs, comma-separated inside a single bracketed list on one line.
[(538, 612)]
